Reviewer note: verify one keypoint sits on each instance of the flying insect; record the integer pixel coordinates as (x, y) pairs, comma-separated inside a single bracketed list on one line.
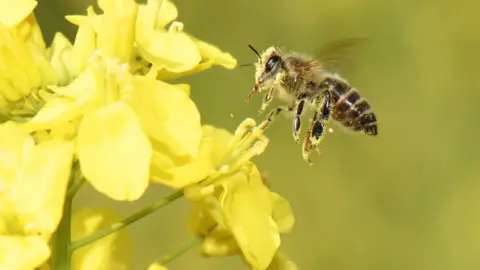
[(308, 83)]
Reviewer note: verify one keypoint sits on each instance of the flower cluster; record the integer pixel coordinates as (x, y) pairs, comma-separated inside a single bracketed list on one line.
[(101, 110)]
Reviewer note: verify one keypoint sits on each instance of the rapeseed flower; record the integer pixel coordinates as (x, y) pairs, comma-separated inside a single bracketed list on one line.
[(112, 252), (127, 115), (32, 192), (234, 210), (101, 109)]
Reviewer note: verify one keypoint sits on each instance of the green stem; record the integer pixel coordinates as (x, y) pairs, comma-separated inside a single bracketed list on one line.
[(122, 224), (75, 186), (61, 253), (76, 180), (180, 251)]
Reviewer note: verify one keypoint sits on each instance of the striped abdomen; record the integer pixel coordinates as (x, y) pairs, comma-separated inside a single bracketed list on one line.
[(349, 108)]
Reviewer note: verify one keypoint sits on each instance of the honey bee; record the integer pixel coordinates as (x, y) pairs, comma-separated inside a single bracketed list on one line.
[(307, 83)]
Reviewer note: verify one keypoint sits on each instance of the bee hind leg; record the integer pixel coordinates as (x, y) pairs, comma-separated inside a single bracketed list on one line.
[(313, 138), (297, 121), (315, 134), (310, 142), (307, 148)]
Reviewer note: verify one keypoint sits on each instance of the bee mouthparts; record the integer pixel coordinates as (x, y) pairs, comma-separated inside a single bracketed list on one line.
[(253, 91)]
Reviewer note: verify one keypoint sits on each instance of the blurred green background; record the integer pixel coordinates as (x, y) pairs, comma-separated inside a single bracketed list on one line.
[(408, 199)]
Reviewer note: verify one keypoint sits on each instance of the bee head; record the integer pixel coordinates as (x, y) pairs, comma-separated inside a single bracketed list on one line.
[(268, 65)]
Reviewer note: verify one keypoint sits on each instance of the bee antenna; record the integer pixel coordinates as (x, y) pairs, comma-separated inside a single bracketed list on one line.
[(246, 65), (255, 51)]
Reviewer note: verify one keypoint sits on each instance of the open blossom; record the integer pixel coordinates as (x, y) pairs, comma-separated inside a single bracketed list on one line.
[(242, 217), (99, 255), (32, 191), (102, 109), (124, 114), (234, 210)]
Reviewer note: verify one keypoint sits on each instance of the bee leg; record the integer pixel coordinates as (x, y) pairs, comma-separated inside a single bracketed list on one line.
[(307, 143), (315, 134), (321, 119), (273, 113), (266, 100), (296, 120), (271, 116)]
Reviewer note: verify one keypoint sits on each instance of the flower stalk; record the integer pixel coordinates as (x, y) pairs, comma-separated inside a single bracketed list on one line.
[(194, 242), (103, 110), (129, 220), (61, 246)]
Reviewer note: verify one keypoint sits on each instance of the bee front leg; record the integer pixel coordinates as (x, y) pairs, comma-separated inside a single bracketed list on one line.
[(274, 113), (271, 116), (266, 100)]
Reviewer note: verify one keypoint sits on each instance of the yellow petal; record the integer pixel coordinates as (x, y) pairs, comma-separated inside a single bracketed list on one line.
[(167, 14), (53, 113), (14, 145), (172, 51), (200, 220), (81, 89), (23, 253), (221, 243), (167, 115), (39, 193), (214, 54), (183, 175), (282, 213), (116, 34), (157, 14), (111, 252), (61, 56), (157, 266), (210, 54), (221, 137), (114, 152), (72, 101), (13, 12), (32, 32), (67, 131), (82, 49), (16, 62), (282, 262), (247, 211), (167, 75)]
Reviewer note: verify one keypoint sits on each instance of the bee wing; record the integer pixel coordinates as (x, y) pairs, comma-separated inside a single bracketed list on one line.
[(334, 55)]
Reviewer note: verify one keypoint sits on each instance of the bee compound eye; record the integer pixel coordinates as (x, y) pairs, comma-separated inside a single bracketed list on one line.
[(271, 62)]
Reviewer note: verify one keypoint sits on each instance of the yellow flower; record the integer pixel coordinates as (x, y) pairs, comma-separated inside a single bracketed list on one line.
[(173, 52), (281, 262), (104, 100), (112, 252), (122, 119), (23, 63), (33, 182), (242, 216), (219, 153), (13, 12)]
